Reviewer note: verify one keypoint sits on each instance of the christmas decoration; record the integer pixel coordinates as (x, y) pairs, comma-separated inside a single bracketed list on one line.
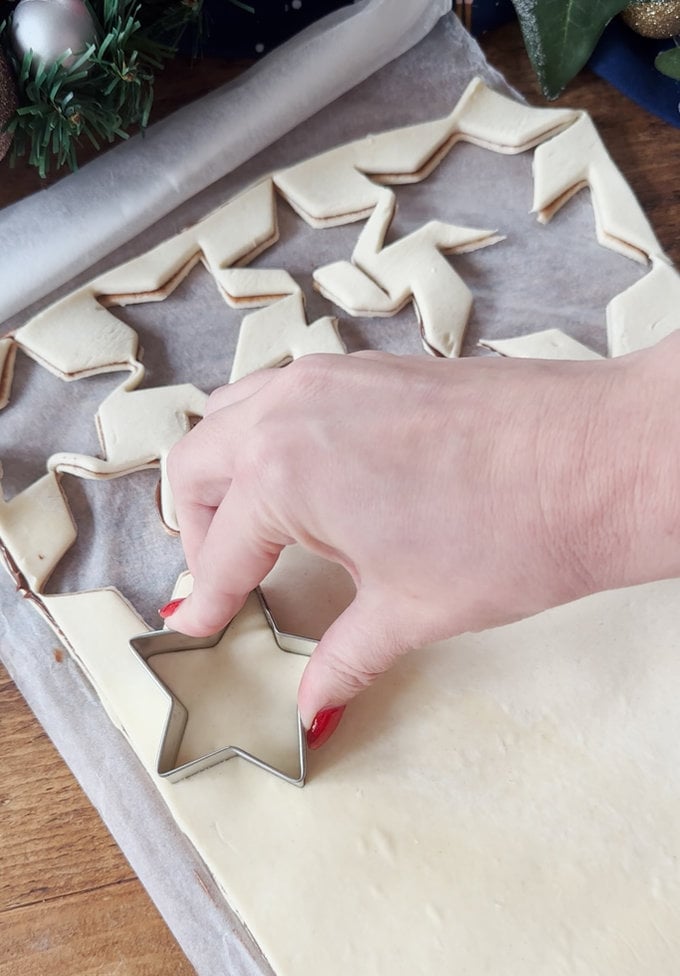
[(85, 70), (653, 18), (560, 37), (8, 103), (668, 62), (52, 29)]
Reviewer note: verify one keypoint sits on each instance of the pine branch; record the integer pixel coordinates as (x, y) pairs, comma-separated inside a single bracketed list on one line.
[(107, 92)]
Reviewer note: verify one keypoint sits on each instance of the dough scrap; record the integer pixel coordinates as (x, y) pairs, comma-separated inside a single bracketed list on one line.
[(577, 158), (137, 429), (646, 312), (382, 280), (234, 234), (548, 344), (8, 351), (278, 333), (77, 336), (640, 316), (343, 184), (36, 530), (254, 287)]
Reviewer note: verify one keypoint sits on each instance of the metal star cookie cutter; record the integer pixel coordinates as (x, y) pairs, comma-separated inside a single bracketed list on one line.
[(167, 641)]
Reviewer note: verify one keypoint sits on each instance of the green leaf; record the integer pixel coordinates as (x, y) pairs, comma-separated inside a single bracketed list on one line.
[(668, 63), (560, 36)]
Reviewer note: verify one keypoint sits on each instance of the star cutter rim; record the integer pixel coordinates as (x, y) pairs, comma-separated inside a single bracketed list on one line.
[(155, 642)]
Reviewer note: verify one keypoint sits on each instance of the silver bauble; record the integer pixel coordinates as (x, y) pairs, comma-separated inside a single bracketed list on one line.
[(49, 28)]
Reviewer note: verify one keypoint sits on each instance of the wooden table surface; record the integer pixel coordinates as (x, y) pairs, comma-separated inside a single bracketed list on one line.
[(69, 903)]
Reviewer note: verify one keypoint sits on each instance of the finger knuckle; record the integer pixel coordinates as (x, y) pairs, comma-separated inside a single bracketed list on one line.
[(216, 399), (354, 675), (265, 460), (310, 375)]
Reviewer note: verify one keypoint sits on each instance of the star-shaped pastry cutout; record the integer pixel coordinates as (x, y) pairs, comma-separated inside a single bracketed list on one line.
[(236, 686)]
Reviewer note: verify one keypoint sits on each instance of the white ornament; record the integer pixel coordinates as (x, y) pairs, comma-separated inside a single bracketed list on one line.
[(50, 28)]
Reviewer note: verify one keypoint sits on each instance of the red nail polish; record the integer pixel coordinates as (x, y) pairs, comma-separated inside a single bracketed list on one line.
[(169, 608), (324, 725)]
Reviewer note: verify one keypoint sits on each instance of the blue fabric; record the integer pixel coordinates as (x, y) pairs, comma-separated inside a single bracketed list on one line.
[(621, 57), (488, 14), (627, 61)]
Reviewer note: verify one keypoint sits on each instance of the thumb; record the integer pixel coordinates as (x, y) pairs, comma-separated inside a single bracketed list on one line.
[(353, 652)]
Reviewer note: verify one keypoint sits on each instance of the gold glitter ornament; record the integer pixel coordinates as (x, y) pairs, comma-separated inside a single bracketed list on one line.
[(8, 103), (653, 18)]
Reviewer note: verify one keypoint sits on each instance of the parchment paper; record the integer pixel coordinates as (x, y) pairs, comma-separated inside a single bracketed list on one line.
[(540, 276), (119, 194)]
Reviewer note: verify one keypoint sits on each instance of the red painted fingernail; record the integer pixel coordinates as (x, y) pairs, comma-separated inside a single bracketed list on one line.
[(324, 725), (169, 608)]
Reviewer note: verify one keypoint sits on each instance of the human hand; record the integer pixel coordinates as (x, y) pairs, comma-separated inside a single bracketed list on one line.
[(459, 495)]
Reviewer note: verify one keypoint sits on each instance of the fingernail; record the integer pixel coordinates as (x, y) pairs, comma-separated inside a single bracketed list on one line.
[(324, 725), (169, 608)]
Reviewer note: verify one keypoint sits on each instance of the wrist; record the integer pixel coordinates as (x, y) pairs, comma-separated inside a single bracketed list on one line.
[(626, 527)]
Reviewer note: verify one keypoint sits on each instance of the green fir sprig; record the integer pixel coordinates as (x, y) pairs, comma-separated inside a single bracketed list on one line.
[(106, 93)]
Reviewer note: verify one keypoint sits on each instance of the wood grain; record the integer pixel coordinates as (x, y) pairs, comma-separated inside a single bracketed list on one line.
[(69, 905), (113, 930), (69, 901), (28, 828)]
